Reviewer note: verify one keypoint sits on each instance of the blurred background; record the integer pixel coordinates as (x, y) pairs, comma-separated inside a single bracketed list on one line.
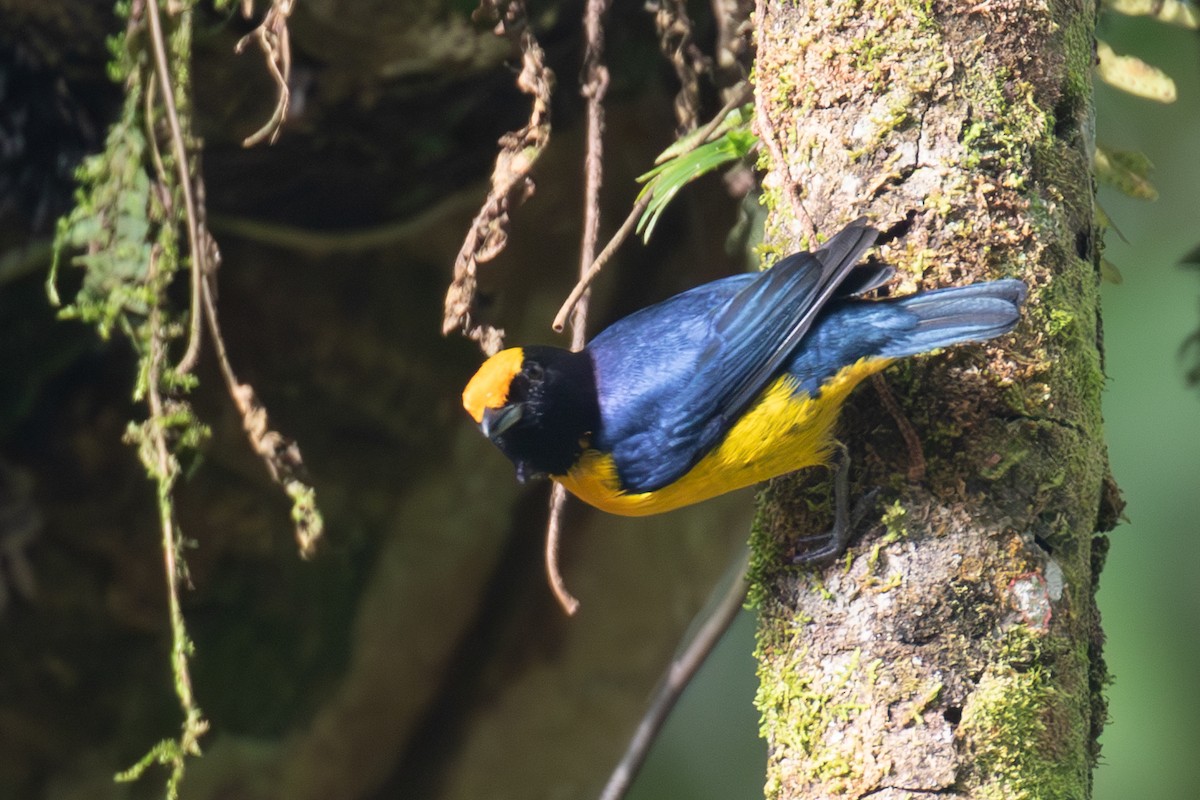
[(1148, 593), (420, 653)]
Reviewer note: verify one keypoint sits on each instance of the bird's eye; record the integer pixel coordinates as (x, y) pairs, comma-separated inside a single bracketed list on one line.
[(533, 371)]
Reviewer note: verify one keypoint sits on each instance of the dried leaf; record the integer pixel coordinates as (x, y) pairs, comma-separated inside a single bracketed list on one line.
[(1109, 273), (1131, 74), (1125, 171), (1172, 12)]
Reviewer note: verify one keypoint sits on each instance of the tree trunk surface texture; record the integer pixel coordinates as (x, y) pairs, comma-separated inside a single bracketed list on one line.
[(955, 650)]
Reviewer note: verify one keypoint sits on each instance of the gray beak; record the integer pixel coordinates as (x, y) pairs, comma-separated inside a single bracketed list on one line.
[(497, 420)]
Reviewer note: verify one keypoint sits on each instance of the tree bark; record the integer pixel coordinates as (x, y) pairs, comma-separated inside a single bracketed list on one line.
[(956, 649)]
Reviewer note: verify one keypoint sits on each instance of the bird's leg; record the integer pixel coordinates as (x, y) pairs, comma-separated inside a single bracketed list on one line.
[(845, 522)]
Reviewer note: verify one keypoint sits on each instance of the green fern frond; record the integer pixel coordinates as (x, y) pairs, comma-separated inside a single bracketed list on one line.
[(683, 162)]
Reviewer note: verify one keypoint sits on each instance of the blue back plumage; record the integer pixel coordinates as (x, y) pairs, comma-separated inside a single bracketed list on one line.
[(673, 378), (645, 361)]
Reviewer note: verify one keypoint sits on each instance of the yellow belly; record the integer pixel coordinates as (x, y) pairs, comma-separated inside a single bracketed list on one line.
[(782, 432)]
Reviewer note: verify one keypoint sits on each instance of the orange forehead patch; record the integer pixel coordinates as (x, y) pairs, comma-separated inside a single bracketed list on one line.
[(489, 387)]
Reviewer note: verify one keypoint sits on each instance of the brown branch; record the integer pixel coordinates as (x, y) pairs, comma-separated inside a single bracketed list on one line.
[(585, 281), (679, 674), (511, 182), (601, 260)]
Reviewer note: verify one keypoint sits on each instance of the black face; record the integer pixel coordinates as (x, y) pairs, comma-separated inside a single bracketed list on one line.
[(550, 413)]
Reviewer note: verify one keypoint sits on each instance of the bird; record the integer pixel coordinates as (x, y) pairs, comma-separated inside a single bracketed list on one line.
[(724, 385)]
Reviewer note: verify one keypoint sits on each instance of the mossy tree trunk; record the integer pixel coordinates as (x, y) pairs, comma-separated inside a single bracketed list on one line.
[(956, 649)]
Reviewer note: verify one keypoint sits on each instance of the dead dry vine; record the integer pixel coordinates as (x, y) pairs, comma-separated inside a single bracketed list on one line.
[(275, 42), (511, 180), (677, 43), (280, 455)]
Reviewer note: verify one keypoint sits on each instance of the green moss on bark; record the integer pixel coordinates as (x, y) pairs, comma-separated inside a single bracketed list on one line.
[(977, 120)]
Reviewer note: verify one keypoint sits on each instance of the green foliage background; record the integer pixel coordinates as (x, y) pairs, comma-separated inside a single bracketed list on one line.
[(1148, 592)]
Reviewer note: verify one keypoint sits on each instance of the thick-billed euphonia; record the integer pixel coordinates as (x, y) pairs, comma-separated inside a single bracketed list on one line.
[(723, 386)]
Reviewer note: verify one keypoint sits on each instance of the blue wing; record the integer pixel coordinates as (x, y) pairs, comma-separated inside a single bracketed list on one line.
[(673, 378)]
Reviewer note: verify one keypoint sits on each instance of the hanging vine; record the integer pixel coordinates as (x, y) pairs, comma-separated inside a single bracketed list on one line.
[(137, 227)]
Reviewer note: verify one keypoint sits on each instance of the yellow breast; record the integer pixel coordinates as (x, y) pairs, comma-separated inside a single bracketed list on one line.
[(782, 432)]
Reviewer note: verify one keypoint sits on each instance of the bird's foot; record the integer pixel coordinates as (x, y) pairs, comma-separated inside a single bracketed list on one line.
[(845, 521)]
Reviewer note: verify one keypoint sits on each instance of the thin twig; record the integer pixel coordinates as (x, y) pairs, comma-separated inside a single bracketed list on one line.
[(280, 454), (275, 42), (185, 184), (585, 281), (595, 87), (677, 677), (737, 99), (558, 500), (916, 454)]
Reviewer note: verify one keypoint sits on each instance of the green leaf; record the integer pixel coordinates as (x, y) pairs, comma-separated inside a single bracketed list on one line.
[(738, 118), (683, 162)]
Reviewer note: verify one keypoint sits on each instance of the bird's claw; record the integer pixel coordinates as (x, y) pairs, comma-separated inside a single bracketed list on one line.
[(845, 521)]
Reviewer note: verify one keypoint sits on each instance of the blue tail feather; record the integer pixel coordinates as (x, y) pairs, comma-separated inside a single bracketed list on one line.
[(954, 315)]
